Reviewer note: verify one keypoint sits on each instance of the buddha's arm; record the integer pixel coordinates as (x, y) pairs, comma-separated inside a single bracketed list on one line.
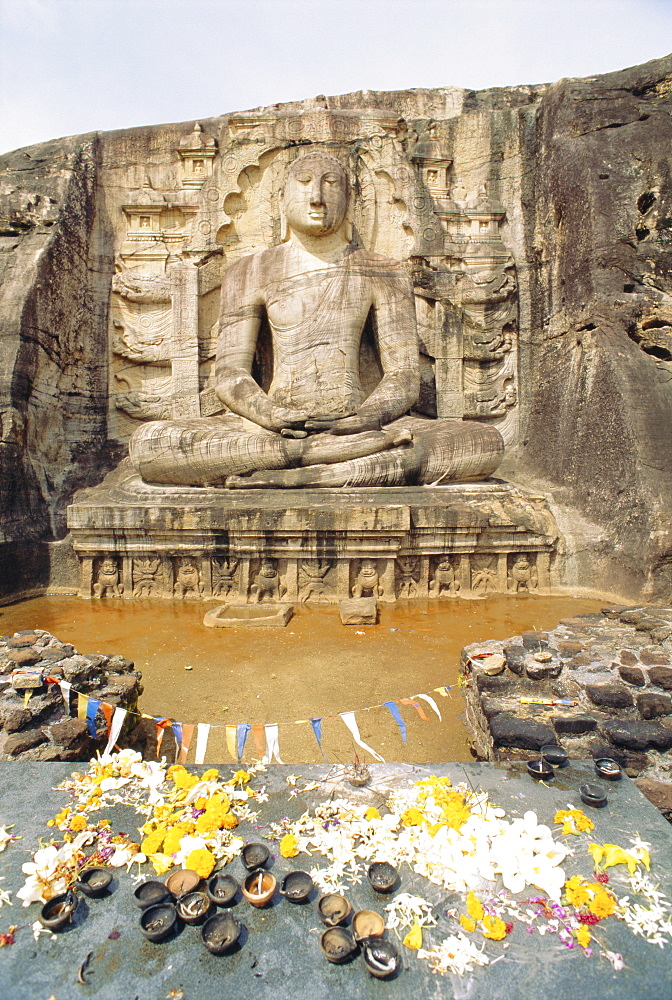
[(240, 318), (397, 339)]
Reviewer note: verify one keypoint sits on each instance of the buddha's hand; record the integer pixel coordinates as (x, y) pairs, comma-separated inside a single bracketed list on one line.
[(355, 424), (285, 418)]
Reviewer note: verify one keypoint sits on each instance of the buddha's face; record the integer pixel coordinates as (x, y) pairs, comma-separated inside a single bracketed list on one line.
[(316, 196)]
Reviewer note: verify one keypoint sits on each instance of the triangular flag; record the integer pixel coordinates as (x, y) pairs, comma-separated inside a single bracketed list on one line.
[(82, 704), (430, 701), (258, 737), (443, 691), (396, 715), (409, 701), (161, 725), (242, 732), (349, 720), (272, 745), (91, 712), (117, 722), (202, 734), (231, 741), (185, 743), (317, 729), (107, 711), (177, 733), (65, 687)]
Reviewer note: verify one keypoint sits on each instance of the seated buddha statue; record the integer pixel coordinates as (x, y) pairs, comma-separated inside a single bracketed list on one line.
[(317, 425)]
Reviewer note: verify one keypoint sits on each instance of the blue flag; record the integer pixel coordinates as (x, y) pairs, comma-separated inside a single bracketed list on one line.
[(396, 715), (317, 729), (242, 731), (91, 710)]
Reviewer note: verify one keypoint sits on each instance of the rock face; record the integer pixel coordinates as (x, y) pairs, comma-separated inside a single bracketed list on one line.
[(41, 728), (535, 224), (606, 699)]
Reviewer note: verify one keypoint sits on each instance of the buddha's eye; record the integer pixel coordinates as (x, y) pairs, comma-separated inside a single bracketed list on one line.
[(331, 179), (304, 178)]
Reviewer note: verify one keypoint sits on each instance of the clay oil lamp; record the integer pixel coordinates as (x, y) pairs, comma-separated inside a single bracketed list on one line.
[(181, 881), (608, 768), (151, 893), (193, 907), (383, 876), (258, 887), (156, 922), (540, 769), (222, 889), (94, 882), (337, 945), (255, 856), (555, 755), (380, 958), (221, 933), (333, 909), (297, 886), (367, 924), (58, 911), (592, 795)]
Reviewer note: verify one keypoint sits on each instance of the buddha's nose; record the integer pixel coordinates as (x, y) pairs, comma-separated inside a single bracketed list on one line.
[(316, 192)]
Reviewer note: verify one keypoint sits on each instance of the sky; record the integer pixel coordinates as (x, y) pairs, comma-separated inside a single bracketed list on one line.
[(75, 66)]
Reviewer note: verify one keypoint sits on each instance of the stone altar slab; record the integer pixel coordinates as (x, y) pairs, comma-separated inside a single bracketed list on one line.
[(280, 956), (136, 540)]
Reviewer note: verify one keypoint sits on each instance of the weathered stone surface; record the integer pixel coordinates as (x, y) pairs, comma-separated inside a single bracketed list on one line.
[(628, 657), (22, 639), (661, 676), (568, 648), (543, 670), (69, 733), (649, 658), (610, 695), (358, 611), (20, 742), (512, 731), (534, 640), (17, 720), (658, 792), (23, 657), (515, 658), (574, 724), (632, 675), (651, 705), (640, 735)]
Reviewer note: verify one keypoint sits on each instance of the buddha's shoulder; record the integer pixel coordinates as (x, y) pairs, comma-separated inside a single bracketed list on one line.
[(362, 258)]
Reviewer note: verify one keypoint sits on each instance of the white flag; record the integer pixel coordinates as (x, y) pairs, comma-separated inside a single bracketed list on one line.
[(115, 728), (272, 745), (431, 702), (202, 734), (65, 691), (349, 720)]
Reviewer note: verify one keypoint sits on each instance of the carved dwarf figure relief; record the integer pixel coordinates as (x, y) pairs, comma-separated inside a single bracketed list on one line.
[(188, 580), (145, 569), (316, 426), (523, 575), (367, 582), (223, 571), (314, 572), (107, 582), (267, 584), (406, 567), (444, 583)]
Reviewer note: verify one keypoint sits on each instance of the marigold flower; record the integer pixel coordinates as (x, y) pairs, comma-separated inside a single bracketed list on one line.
[(289, 846), (240, 776), (230, 821), (371, 813), (201, 861), (467, 923), (152, 842), (185, 781), (210, 775), (493, 928), (575, 891), (412, 817), (582, 935), (77, 824), (474, 906), (603, 903)]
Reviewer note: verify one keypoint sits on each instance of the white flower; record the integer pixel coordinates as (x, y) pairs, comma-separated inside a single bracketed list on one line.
[(455, 954), (5, 837), (616, 959), (38, 929), (407, 909), (4, 896)]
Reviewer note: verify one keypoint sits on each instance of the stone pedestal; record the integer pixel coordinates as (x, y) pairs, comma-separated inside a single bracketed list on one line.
[(136, 540)]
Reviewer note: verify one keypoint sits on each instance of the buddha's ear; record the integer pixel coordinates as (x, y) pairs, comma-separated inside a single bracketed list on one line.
[(284, 228)]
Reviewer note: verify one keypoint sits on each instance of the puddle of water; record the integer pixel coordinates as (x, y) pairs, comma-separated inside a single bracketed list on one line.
[(314, 667)]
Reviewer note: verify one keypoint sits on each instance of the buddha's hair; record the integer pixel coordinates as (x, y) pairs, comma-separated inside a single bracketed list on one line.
[(317, 155)]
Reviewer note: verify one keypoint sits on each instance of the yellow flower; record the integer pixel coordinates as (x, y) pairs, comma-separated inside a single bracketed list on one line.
[(576, 892), (209, 822), (456, 811), (371, 813), (582, 935), (185, 781), (289, 846), (467, 923), (211, 775), (596, 851), (174, 770), (573, 821), (412, 817), (414, 937), (603, 903), (240, 776), (77, 824), (230, 821), (474, 907), (152, 842), (493, 928), (171, 844), (161, 862), (201, 861)]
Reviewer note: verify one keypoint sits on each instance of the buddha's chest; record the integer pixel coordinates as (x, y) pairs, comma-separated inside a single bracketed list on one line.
[(309, 307)]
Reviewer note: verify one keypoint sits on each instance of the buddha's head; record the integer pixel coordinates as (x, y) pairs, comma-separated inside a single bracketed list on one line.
[(316, 195)]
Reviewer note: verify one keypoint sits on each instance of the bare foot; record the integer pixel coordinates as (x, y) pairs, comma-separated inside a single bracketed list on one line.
[(273, 479)]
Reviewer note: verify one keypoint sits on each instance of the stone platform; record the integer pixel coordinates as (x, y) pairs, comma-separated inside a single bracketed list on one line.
[(136, 540)]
